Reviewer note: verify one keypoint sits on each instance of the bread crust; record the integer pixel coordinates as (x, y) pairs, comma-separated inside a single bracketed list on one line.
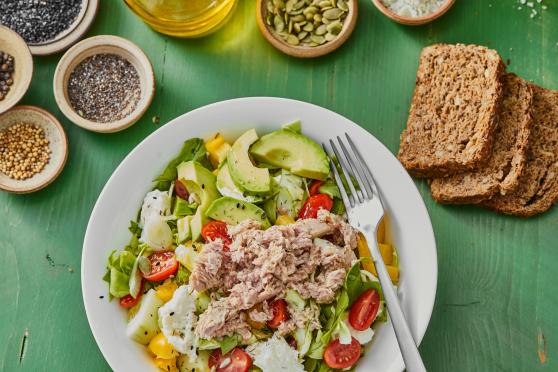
[(538, 183), (425, 149)]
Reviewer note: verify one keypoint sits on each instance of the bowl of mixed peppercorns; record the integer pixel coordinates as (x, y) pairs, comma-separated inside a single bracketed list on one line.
[(16, 68)]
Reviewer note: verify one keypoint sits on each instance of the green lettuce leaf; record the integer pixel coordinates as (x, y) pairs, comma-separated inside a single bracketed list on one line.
[(193, 149), (331, 189), (183, 208)]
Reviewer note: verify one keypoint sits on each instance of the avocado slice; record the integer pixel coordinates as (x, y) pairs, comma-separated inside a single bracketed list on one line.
[(295, 126), (244, 174), (201, 181), (227, 187), (233, 211), (294, 152)]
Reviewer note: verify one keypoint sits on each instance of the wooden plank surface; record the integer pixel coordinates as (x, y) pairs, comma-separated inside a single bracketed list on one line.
[(496, 304)]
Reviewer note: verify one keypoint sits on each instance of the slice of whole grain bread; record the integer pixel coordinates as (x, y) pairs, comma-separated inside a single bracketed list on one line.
[(453, 111), (538, 184), (509, 152)]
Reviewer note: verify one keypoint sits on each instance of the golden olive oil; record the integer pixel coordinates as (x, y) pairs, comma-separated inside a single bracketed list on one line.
[(183, 18)]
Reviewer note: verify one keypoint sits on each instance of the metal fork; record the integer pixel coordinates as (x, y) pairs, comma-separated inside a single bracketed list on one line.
[(365, 210)]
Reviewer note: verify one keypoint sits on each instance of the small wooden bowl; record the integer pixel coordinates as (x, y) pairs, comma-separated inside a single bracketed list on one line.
[(306, 51), (98, 45), (14, 45), (54, 132), (83, 22), (413, 21)]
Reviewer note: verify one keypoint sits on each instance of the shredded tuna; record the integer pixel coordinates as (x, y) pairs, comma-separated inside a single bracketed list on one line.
[(309, 316), (260, 264)]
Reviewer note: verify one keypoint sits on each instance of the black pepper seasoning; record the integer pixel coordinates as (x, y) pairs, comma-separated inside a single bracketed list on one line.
[(104, 88), (6, 72)]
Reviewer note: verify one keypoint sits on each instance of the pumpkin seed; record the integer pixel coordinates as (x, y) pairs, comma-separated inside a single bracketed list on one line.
[(321, 30), (298, 18), (318, 39), (333, 13), (278, 23), (318, 17), (293, 40), (310, 10), (298, 5), (322, 4), (342, 5), (270, 7), (302, 35), (289, 6), (309, 27), (326, 21), (329, 36), (290, 29), (334, 27)]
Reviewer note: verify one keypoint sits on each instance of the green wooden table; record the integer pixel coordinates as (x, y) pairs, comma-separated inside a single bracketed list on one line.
[(496, 306)]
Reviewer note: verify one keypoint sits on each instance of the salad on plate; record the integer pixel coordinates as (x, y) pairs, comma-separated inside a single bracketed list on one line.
[(241, 260)]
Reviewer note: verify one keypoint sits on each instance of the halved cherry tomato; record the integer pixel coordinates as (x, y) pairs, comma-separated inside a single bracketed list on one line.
[(180, 190), (364, 310), (314, 204), (239, 361), (315, 187), (216, 230), (339, 356), (163, 265), (279, 311), (128, 301)]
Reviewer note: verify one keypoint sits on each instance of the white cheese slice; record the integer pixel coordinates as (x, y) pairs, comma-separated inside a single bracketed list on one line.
[(363, 337), (156, 203), (275, 355), (178, 320)]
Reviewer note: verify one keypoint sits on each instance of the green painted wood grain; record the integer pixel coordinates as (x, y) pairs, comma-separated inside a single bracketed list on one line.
[(496, 290)]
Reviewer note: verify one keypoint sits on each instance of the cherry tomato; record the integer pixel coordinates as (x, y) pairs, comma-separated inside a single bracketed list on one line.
[(339, 356), (314, 204), (216, 230), (239, 361), (315, 187), (279, 310), (128, 301), (163, 265), (180, 190), (364, 310)]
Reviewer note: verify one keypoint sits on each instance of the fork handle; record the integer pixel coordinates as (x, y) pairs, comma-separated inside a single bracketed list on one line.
[(407, 345)]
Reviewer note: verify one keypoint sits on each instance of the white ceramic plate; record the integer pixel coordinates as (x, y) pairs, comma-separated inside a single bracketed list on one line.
[(410, 229)]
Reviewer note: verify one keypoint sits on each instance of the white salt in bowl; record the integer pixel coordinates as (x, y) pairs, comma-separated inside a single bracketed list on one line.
[(413, 21), (98, 45)]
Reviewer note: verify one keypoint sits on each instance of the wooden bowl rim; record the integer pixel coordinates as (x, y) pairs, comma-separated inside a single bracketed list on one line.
[(76, 54), (60, 44), (306, 51), (413, 21), (64, 146), (20, 87)]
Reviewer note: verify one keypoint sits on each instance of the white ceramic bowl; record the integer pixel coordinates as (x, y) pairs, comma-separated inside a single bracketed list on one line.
[(409, 225)]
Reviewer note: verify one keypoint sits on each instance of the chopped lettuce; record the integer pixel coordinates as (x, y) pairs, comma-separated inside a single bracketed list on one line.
[(331, 189), (183, 208), (229, 342), (338, 206), (119, 269), (193, 149), (294, 299)]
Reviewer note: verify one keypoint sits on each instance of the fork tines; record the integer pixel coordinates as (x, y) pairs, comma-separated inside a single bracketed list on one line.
[(355, 173)]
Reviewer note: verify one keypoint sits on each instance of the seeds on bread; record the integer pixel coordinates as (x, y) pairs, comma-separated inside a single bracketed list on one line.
[(453, 112), (509, 152), (538, 184)]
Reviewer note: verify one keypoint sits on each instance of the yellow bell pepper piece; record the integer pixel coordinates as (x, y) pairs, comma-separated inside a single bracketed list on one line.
[(217, 149), (387, 253), (393, 272), (167, 365), (368, 265), (284, 219), (166, 290), (381, 233), (161, 348)]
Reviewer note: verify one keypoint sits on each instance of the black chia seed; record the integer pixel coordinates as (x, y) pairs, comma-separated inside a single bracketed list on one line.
[(39, 21), (6, 73), (104, 88)]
